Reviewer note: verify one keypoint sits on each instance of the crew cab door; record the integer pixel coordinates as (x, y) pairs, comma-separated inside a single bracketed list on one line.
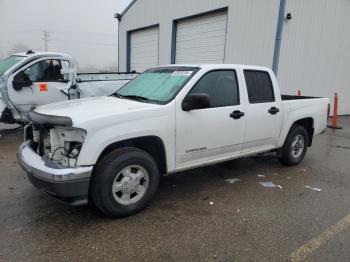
[(39, 83), (264, 111), (214, 133)]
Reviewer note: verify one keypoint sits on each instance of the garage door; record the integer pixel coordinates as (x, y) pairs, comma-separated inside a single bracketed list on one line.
[(201, 39), (144, 49)]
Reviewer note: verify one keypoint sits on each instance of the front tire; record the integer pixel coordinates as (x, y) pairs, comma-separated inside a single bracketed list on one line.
[(295, 146), (124, 182)]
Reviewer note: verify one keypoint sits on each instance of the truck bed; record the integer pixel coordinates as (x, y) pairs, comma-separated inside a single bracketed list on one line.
[(292, 97), (112, 76), (101, 84)]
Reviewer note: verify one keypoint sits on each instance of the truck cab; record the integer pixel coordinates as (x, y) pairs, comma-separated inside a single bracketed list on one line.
[(32, 79)]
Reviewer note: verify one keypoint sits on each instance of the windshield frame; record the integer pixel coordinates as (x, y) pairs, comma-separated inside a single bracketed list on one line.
[(15, 56), (195, 70)]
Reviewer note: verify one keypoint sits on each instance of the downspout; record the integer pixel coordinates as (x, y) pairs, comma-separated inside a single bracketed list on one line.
[(118, 47), (276, 54)]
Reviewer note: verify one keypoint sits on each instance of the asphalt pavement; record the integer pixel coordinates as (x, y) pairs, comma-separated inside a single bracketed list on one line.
[(215, 213)]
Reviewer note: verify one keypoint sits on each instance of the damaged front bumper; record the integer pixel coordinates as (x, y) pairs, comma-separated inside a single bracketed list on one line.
[(70, 184)]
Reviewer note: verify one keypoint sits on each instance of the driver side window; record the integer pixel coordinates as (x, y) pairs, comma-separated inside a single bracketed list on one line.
[(221, 86), (47, 71)]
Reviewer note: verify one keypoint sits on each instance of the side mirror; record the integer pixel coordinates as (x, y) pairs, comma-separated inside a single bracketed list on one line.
[(21, 80), (195, 101)]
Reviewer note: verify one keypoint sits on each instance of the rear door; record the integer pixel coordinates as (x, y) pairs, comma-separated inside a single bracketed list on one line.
[(264, 114), (49, 84)]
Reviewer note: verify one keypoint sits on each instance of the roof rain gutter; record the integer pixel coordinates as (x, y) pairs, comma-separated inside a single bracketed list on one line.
[(127, 8), (276, 54)]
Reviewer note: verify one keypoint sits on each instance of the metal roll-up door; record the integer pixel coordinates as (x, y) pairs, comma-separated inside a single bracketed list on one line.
[(201, 39), (144, 49)]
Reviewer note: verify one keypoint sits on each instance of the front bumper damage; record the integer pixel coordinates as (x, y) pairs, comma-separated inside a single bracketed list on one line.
[(70, 184)]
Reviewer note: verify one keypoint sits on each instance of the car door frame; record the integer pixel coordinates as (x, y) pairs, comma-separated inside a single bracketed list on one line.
[(26, 107), (185, 91)]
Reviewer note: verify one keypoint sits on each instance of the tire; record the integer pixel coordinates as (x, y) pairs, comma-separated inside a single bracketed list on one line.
[(295, 146), (122, 170)]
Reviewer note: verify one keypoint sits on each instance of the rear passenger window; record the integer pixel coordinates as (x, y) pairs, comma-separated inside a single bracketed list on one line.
[(221, 86), (259, 85)]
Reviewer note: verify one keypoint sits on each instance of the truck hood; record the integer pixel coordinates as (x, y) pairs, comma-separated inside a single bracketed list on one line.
[(96, 108)]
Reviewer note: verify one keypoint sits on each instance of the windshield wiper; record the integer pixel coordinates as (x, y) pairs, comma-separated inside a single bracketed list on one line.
[(135, 97)]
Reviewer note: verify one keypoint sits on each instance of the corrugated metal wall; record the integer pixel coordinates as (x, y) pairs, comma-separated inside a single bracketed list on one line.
[(251, 26), (315, 50)]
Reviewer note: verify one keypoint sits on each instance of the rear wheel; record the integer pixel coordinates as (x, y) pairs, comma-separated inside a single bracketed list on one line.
[(124, 182), (295, 146)]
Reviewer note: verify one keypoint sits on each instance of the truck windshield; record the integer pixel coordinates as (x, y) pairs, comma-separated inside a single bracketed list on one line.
[(7, 63), (158, 85)]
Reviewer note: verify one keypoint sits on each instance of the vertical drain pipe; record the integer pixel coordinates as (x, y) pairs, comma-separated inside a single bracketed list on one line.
[(276, 54)]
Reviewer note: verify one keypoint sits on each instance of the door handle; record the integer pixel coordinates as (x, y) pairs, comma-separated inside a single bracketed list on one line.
[(236, 114), (273, 110)]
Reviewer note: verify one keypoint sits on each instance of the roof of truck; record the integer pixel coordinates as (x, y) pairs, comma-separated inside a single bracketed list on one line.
[(217, 66), (42, 53)]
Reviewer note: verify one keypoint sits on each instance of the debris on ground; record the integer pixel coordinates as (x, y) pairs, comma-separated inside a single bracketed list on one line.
[(267, 184), (211, 203), (205, 198), (260, 176), (270, 184), (232, 180), (313, 188), (276, 174), (238, 210)]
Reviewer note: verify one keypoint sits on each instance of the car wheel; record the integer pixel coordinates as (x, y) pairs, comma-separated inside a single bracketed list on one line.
[(124, 182), (295, 146)]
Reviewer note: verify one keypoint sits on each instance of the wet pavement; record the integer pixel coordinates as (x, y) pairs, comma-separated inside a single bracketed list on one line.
[(246, 221)]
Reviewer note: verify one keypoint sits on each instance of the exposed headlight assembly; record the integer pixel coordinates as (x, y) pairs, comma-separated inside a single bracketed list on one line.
[(63, 145)]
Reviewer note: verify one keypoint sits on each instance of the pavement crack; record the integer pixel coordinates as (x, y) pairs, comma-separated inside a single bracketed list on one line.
[(343, 147)]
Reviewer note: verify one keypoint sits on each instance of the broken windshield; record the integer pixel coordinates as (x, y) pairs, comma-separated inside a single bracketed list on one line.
[(7, 63)]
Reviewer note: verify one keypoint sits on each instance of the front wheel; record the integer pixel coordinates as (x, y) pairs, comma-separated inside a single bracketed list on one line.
[(295, 146), (124, 182)]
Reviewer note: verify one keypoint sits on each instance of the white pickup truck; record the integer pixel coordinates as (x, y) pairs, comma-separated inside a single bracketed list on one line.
[(31, 79), (114, 149)]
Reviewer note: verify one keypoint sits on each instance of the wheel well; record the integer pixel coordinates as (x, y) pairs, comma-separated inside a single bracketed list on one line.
[(308, 124), (150, 144)]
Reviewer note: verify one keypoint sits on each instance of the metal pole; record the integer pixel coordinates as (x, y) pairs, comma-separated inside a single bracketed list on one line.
[(276, 55), (46, 35)]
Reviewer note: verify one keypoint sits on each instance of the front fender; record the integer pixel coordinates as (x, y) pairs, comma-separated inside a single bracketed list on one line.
[(99, 139)]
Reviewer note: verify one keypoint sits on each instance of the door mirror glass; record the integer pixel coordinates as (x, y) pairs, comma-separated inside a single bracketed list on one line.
[(195, 101), (21, 80)]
